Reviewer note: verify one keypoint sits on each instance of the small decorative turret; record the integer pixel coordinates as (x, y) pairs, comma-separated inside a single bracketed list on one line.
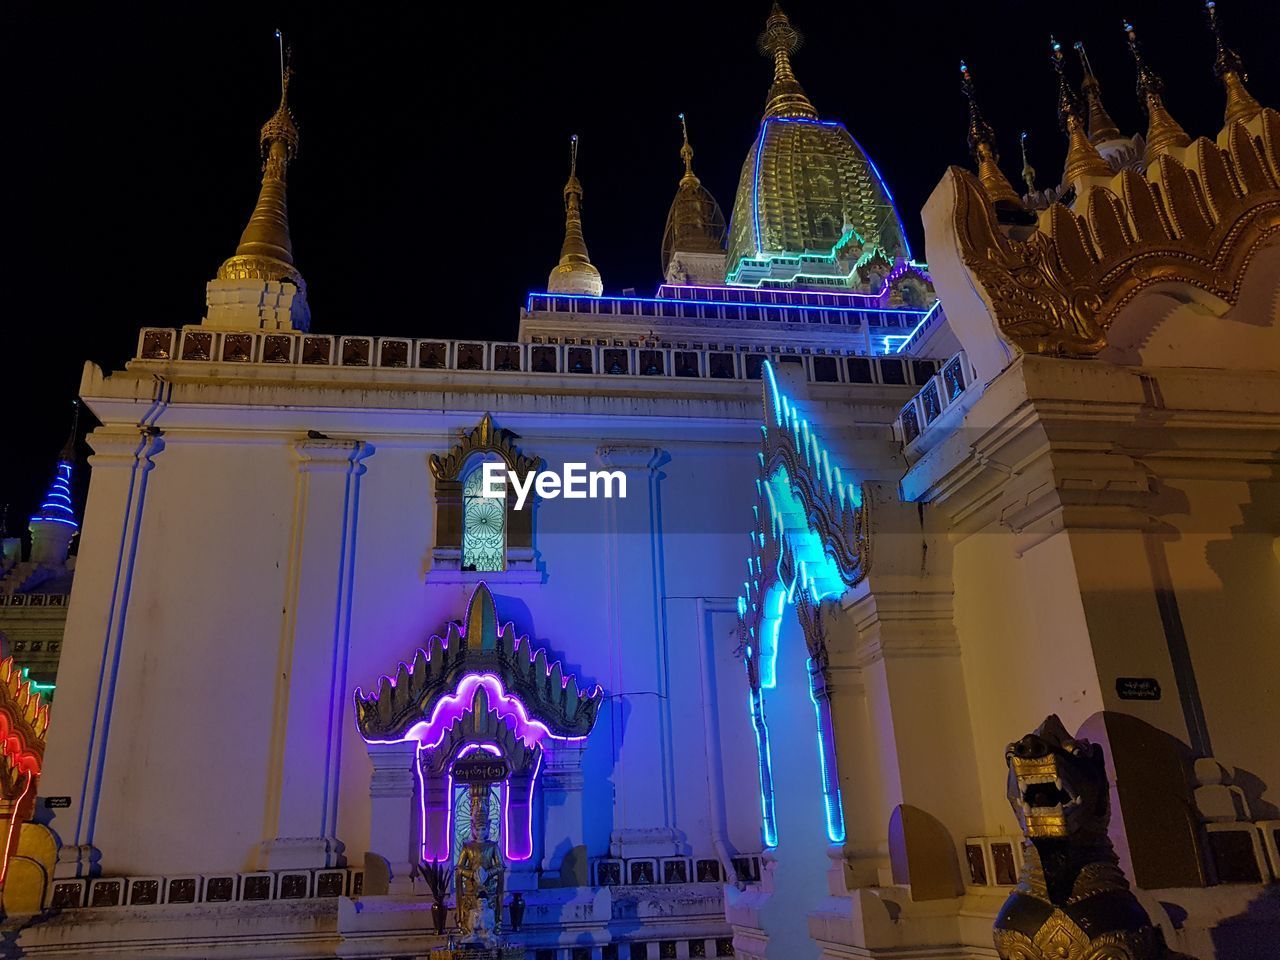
[(1083, 159), (1163, 132), (1229, 68), (1101, 127), (982, 144), (54, 524), (259, 287), (693, 240), (779, 40), (574, 273)]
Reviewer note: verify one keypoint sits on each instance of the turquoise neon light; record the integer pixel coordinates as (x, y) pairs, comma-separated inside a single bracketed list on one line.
[(833, 804), (769, 821), (906, 338)]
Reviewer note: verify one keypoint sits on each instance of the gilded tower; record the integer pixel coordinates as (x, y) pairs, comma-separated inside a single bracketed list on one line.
[(575, 273), (693, 241), (811, 208)]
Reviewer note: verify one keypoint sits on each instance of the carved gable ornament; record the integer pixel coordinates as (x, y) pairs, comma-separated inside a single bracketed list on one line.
[(483, 438), (1199, 222), (482, 648)]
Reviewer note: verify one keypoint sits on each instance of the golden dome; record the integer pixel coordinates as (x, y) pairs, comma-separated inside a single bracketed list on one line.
[(695, 223), (575, 272), (811, 205)]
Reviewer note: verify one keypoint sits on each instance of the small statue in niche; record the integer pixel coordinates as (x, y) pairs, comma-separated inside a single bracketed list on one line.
[(479, 877)]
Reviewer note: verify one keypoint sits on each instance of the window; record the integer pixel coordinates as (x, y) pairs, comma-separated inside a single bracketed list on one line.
[(484, 525)]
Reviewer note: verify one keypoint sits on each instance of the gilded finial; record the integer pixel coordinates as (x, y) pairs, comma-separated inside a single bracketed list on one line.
[(686, 154), (982, 144), (1028, 171), (779, 41), (1163, 132), (1229, 68), (574, 273), (1100, 126), (1083, 159), (265, 251), (68, 454)]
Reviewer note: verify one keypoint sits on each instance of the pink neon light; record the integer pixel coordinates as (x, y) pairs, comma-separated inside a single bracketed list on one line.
[(430, 733)]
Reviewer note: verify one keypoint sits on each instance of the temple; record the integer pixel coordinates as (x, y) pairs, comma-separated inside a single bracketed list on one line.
[(342, 680)]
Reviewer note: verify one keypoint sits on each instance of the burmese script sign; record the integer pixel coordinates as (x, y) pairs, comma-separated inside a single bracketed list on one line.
[(1137, 688), (486, 769)]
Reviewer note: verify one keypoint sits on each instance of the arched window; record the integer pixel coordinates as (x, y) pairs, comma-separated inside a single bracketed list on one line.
[(484, 524)]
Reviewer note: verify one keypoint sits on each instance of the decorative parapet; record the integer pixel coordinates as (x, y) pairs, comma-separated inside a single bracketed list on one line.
[(1197, 219), (943, 391), (545, 693)]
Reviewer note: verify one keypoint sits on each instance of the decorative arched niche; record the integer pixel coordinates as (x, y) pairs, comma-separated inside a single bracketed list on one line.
[(476, 537), (479, 706)]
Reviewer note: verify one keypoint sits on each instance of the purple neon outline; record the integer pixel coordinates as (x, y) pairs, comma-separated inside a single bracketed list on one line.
[(528, 729)]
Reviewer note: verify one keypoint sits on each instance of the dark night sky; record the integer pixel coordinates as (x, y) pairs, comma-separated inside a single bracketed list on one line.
[(426, 200)]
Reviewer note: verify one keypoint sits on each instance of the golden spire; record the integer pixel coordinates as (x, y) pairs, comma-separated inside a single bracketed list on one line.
[(266, 251), (1028, 171), (1101, 127), (1163, 132), (1229, 68), (1083, 159), (779, 41), (575, 272), (982, 144), (686, 154)]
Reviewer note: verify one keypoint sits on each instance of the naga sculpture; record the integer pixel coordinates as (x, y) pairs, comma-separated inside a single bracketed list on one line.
[(1072, 901)]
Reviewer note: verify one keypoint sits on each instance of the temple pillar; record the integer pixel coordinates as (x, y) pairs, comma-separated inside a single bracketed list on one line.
[(94, 638), (905, 713), (644, 802), (393, 812), (311, 691)]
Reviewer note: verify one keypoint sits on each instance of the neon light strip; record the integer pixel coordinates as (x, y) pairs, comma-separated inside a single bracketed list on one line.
[(833, 804), (919, 326), (911, 311), (769, 822), (755, 186), (13, 821), (897, 271), (885, 187)]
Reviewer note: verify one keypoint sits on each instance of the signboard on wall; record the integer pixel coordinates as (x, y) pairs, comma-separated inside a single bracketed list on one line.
[(479, 769), (1137, 688)]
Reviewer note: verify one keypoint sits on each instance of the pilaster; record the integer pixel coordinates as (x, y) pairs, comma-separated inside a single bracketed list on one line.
[(75, 758), (562, 812), (311, 693), (644, 788), (393, 812)]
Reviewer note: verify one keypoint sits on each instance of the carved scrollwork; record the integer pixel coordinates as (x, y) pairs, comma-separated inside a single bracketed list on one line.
[(483, 438), (1199, 223)]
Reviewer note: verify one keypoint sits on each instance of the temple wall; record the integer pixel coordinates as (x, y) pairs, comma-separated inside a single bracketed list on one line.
[(203, 642), (1024, 649)]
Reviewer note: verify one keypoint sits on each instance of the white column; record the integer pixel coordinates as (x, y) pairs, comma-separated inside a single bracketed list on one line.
[(312, 701), (644, 784), (95, 634), (393, 811)]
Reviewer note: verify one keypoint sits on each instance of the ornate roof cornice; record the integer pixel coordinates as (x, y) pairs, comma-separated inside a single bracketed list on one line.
[(1058, 291)]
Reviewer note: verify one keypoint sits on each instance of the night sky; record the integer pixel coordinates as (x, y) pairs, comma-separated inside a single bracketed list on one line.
[(426, 200)]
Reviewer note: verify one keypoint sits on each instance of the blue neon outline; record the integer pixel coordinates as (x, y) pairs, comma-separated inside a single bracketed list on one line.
[(893, 204), (755, 186), (832, 801)]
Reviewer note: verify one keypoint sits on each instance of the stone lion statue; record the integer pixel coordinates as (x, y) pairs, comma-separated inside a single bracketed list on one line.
[(1072, 901)]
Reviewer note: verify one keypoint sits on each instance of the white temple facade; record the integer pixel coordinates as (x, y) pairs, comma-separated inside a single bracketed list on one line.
[(753, 699)]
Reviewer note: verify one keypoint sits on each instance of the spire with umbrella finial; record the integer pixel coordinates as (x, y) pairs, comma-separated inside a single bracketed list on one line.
[(779, 41), (982, 144), (1229, 68), (1163, 132), (1083, 159), (1101, 127), (575, 272)]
